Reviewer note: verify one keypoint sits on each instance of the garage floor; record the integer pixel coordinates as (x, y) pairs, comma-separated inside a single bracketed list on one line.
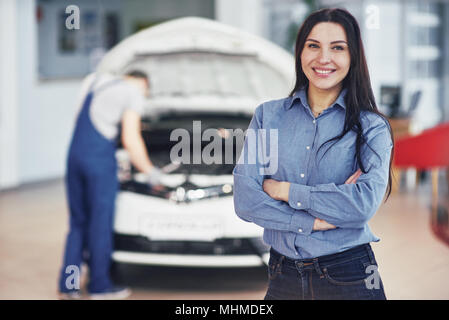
[(413, 263)]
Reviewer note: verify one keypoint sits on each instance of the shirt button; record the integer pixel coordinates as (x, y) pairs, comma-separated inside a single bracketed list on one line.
[(299, 204), (308, 147), (302, 175), (314, 121), (300, 230)]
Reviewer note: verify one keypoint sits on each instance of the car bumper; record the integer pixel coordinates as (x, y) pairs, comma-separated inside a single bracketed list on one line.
[(243, 252), (204, 233), (190, 260)]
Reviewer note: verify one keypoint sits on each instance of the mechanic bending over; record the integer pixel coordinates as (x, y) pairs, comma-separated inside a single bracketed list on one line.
[(91, 178)]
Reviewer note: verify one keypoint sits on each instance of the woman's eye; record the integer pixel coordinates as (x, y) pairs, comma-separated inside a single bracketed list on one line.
[(338, 48), (312, 45)]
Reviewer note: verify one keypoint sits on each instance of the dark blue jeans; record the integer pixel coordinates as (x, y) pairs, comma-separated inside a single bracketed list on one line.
[(348, 275)]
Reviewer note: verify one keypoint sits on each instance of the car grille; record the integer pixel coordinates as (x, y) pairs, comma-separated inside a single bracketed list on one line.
[(186, 192), (235, 246)]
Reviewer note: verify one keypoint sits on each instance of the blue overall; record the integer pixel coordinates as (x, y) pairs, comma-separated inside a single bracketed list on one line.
[(92, 184)]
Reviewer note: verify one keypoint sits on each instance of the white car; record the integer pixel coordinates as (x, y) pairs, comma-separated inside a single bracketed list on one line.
[(203, 71)]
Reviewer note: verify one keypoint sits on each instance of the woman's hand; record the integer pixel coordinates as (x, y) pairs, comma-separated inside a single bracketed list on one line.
[(278, 190), (322, 225), (353, 179)]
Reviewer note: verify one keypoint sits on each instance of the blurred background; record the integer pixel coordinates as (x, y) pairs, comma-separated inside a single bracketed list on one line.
[(42, 65)]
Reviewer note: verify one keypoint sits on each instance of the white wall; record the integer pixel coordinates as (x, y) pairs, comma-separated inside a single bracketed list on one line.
[(8, 95), (383, 46), (247, 15), (46, 108)]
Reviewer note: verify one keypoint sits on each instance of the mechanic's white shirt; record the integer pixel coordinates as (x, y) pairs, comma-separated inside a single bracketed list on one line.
[(109, 104)]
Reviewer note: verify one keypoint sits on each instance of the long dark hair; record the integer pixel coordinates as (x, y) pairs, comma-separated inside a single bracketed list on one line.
[(359, 96)]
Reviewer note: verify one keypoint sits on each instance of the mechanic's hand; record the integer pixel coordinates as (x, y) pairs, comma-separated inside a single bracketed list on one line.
[(154, 176)]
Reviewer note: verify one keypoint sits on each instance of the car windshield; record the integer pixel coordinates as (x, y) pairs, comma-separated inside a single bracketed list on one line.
[(209, 73)]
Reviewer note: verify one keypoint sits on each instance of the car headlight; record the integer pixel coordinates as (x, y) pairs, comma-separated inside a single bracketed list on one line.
[(183, 195)]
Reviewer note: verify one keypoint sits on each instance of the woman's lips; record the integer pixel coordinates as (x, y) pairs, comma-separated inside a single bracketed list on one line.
[(323, 72)]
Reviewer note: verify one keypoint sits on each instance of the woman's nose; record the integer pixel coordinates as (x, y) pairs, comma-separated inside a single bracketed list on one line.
[(324, 57)]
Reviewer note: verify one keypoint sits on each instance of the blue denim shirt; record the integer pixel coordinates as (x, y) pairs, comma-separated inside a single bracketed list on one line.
[(317, 177)]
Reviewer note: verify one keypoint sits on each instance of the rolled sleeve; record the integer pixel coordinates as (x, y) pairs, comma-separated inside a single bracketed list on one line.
[(299, 196), (252, 204), (302, 223)]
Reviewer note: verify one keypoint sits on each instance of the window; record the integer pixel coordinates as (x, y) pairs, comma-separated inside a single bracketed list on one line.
[(67, 53), (424, 45)]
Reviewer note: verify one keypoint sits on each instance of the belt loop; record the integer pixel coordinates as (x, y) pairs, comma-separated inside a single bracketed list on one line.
[(281, 261), (280, 264), (317, 267), (370, 254)]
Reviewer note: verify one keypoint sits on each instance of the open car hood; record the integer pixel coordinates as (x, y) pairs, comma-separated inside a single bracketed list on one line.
[(200, 64)]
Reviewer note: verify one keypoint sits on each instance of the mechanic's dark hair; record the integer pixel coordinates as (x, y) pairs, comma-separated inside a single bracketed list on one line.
[(138, 74), (359, 96)]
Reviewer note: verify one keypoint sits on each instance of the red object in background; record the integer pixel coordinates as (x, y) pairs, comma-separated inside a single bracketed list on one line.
[(429, 149), (39, 14)]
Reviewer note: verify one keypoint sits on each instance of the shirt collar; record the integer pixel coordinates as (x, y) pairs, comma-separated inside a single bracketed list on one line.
[(302, 96)]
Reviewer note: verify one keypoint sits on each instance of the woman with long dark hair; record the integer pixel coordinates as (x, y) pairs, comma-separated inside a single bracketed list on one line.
[(333, 164)]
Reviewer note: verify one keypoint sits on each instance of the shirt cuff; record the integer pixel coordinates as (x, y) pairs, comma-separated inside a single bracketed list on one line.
[(302, 223), (299, 196)]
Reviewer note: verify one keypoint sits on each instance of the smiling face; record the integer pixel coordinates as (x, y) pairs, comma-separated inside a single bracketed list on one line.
[(325, 58)]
